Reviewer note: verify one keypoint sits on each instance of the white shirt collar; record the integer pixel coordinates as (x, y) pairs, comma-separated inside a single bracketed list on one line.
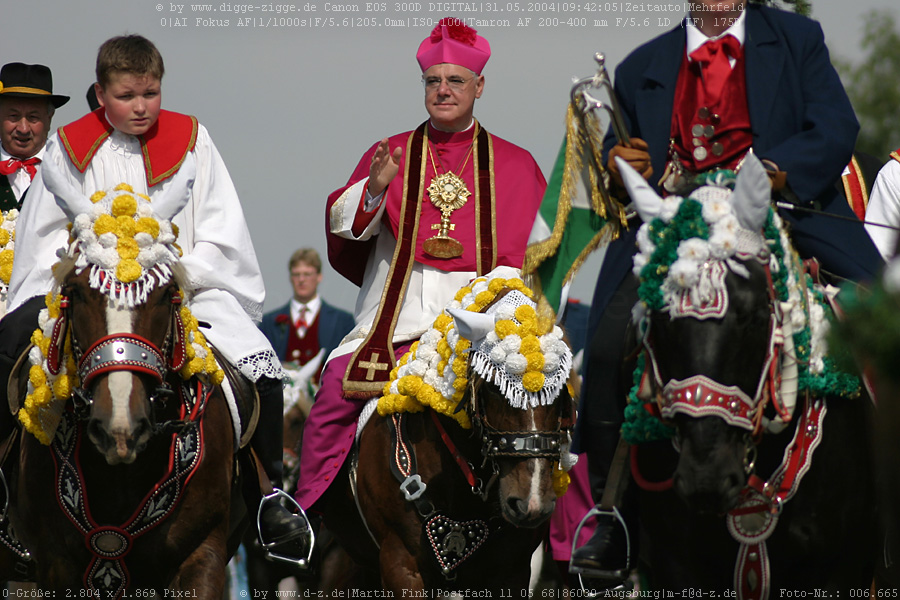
[(312, 307), (5, 156), (696, 38)]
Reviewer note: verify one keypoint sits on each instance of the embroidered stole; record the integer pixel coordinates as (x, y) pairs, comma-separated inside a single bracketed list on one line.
[(371, 363)]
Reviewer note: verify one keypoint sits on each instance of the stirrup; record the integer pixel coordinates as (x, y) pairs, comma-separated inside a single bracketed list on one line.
[(301, 563), (616, 575)]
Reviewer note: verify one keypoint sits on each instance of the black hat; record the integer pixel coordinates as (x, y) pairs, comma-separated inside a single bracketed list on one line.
[(29, 81)]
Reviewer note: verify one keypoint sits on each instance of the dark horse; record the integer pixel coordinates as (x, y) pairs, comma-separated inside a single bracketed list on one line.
[(133, 492), (441, 507), (773, 479)]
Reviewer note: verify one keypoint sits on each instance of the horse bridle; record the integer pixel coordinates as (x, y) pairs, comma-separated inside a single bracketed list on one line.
[(700, 395), (497, 443), (119, 352)]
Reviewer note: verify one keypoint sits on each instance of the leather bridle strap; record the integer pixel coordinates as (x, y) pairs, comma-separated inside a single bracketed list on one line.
[(121, 352), (454, 451)]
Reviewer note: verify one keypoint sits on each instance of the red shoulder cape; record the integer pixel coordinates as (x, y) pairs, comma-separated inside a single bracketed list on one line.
[(164, 146)]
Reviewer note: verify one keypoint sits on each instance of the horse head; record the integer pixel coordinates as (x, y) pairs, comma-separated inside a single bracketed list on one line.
[(496, 363), (717, 344), (117, 325)]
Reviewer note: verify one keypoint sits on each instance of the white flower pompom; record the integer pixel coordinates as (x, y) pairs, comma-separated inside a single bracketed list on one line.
[(454, 305), (643, 240), (430, 338), (108, 240), (511, 343), (145, 210), (684, 273), (669, 207), (640, 261), (143, 239), (728, 223), (425, 352), (431, 378), (481, 285), (516, 363), (199, 351), (551, 362), (694, 249), (505, 312), (82, 223), (722, 243), (35, 356), (417, 367), (452, 338), (498, 354), (715, 208), (491, 338), (467, 301)]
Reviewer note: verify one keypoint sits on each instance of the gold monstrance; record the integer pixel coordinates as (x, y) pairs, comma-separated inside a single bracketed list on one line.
[(447, 192)]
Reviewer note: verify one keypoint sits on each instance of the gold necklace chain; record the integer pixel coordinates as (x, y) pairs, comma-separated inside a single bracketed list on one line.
[(461, 165)]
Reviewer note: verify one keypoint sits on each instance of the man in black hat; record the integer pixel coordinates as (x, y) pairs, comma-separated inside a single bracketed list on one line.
[(27, 103)]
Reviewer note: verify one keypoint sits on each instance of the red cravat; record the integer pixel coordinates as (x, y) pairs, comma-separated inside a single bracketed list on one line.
[(713, 59), (14, 164), (301, 325)]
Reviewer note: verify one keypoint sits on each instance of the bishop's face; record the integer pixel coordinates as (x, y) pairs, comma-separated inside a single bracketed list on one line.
[(450, 93)]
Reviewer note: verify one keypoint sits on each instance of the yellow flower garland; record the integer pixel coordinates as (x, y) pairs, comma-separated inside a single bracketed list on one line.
[(7, 245)]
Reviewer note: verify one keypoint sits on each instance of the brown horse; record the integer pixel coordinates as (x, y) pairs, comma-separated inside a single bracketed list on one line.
[(134, 491), (440, 507)]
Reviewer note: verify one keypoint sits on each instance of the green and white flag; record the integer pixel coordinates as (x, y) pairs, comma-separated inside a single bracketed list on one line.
[(577, 214)]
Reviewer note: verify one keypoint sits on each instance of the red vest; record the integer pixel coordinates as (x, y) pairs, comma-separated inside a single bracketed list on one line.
[(709, 137), (302, 350)]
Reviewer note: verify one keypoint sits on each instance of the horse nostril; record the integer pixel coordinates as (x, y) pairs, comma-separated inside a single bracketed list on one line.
[(96, 433), (517, 506)]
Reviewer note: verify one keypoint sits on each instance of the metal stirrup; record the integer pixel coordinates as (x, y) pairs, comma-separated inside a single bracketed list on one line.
[(302, 563)]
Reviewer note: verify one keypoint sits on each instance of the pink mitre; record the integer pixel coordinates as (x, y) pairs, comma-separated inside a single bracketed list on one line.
[(454, 42)]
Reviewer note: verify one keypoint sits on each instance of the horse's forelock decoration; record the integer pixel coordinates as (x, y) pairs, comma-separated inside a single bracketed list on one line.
[(690, 243), (127, 241), (510, 345), (687, 246), (129, 245)]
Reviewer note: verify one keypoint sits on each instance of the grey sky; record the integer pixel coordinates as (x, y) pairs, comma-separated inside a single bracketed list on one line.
[(292, 103)]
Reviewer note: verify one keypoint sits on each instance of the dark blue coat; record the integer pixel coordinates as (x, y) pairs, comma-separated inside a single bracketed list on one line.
[(334, 324), (800, 117)]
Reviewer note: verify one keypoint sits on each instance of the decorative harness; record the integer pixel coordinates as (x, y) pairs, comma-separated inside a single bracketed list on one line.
[(109, 545), (451, 541), (760, 504)]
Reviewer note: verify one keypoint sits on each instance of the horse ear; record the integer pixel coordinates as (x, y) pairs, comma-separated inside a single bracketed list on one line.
[(68, 198), (646, 200), (178, 191), (752, 194), (472, 325)]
